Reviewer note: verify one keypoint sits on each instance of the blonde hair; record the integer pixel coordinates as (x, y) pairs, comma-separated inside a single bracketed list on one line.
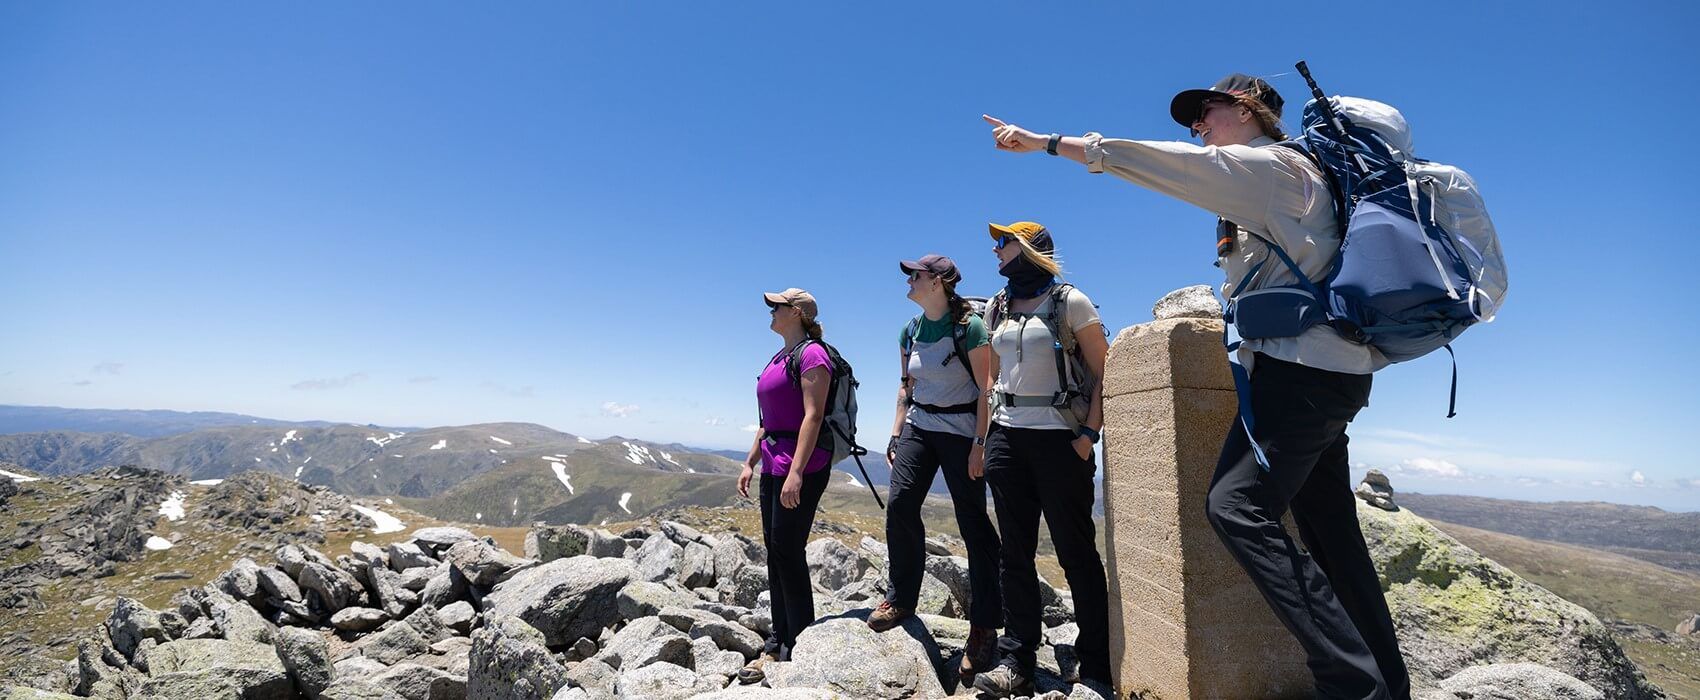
[(812, 328), (1045, 261)]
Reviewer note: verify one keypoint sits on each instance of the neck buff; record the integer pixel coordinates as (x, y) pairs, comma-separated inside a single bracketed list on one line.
[(1026, 280)]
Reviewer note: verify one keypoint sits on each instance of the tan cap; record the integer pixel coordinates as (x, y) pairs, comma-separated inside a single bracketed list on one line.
[(803, 301)]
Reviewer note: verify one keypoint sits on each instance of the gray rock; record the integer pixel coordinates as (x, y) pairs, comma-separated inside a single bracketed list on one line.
[(387, 591), (337, 589), (416, 682), (446, 586), (368, 555), (352, 689), (414, 579), (481, 563), (278, 584), (509, 661), (546, 543), (1376, 490), (458, 616), (593, 674), (393, 643), (682, 618), (241, 581), (626, 643), (758, 621), (566, 598), (756, 692), (748, 586), (1057, 609), (680, 533), (708, 659), (936, 546), (843, 655), (730, 555), (306, 657), (429, 623), (356, 668), (407, 555), (1517, 681), (448, 655), (1453, 609), (291, 559), (186, 655), (358, 619), (696, 569), (18, 692), (604, 544), (234, 682), (953, 573), (674, 649), (658, 558), (237, 621), (646, 598), (439, 539), (726, 612), (832, 565), (1197, 301), (936, 598), (581, 650), (659, 681), (1689, 627), (729, 636), (130, 623)]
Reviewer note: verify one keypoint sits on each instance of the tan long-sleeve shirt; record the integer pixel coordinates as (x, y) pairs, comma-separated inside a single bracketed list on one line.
[(1264, 189)]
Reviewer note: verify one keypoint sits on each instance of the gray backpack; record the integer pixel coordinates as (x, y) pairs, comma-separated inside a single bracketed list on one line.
[(838, 427)]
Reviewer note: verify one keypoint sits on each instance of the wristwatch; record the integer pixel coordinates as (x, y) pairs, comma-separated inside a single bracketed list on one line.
[(1090, 434), (980, 440), (1051, 144)]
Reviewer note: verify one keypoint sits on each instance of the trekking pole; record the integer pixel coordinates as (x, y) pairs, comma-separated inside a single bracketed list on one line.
[(1328, 112)]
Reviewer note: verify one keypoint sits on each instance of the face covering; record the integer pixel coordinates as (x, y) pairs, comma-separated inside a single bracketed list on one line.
[(1026, 280)]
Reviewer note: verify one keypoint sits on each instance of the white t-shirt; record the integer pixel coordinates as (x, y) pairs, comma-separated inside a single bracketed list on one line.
[(1027, 361)]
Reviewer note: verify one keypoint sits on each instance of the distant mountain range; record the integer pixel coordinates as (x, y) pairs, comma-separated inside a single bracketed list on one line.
[(37, 419), (1644, 532)]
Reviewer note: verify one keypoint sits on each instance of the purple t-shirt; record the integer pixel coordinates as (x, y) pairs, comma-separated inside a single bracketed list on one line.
[(782, 409)]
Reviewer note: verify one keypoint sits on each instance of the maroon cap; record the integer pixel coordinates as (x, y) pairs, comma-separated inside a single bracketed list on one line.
[(939, 265)]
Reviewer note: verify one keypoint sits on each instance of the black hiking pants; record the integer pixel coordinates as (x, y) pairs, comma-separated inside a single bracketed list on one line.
[(920, 454), (1033, 473), (785, 531), (1329, 597)]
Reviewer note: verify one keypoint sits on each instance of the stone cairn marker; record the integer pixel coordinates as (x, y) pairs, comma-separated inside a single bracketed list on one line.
[(1185, 621)]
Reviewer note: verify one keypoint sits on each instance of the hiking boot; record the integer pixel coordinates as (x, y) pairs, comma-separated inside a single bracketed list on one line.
[(754, 671), (1004, 680), (887, 616), (980, 653)]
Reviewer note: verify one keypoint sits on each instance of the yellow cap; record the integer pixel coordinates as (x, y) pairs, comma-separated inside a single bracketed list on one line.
[(1032, 232)]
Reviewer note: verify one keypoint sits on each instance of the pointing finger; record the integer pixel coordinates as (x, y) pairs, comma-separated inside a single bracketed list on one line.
[(994, 121)]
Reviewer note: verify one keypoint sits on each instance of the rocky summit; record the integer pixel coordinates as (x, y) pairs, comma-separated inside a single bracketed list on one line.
[(670, 609)]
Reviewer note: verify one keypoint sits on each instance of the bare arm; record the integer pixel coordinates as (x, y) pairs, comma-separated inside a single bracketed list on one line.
[(816, 382), (902, 395), (1094, 348), (982, 361)]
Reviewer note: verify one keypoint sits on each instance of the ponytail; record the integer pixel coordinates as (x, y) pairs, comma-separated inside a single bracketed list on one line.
[(960, 309), (812, 328)]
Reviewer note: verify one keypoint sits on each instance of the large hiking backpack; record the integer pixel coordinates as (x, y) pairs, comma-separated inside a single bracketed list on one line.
[(838, 426), (1419, 259), (959, 353), (1074, 399)]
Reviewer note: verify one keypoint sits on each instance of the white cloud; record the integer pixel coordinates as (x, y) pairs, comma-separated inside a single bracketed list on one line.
[(1637, 478), (750, 428), (616, 409), (714, 421), (1431, 467), (333, 383)]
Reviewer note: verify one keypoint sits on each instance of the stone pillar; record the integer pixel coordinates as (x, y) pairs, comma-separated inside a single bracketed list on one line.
[(1185, 621)]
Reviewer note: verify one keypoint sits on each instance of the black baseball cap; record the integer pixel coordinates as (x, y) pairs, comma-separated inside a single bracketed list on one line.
[(942, 267), (1187, 105)]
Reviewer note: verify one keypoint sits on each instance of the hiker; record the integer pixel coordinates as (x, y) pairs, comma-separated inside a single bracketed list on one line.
[(1047, 352), (944, 359), (1304, 389), (794, 471)]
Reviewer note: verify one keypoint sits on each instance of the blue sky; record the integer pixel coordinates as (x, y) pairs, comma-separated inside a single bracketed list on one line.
[(438, 213)]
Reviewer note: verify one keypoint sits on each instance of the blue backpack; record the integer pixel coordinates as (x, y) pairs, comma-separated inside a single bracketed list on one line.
[(1419, 259)]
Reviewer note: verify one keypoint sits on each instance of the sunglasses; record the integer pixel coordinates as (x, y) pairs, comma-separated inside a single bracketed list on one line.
[(1204, 111), (774, 308), (917, 275), (1004, 240)]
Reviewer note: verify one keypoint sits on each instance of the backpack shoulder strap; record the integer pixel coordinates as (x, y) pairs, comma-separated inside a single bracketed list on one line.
[(1057, 319), (959, 343), (794, 362)]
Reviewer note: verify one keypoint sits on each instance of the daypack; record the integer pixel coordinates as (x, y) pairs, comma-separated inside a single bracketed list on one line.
[(1074, 399), (838, 426), (959, 353), (1419, 259)]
